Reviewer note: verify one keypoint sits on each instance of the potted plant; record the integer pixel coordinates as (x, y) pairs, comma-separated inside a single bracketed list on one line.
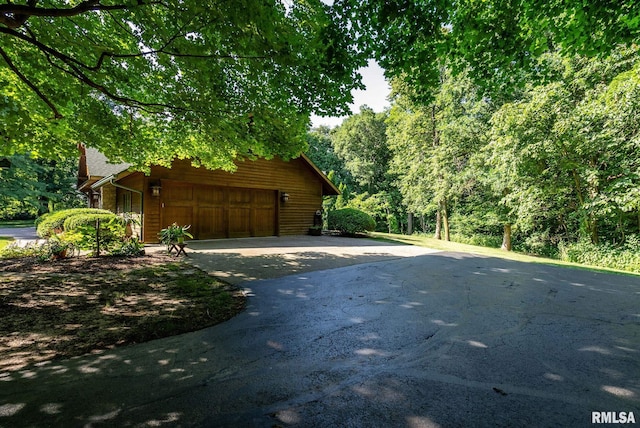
[(315, 231), (174, 234), (58, 248), (129, 220)]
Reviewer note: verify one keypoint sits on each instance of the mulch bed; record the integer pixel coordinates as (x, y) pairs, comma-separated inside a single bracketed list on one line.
[(73, 306)]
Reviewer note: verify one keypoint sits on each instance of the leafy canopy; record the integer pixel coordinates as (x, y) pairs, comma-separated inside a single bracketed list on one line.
[(148, 80), (497, 39)]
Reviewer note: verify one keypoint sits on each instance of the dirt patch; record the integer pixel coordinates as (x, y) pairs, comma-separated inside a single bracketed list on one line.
[(70, 307)]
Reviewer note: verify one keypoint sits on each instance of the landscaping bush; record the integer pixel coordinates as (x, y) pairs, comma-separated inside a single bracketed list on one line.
[(349, 221), (88, 219), (85, 236), (14, 251), (49, 222), (625, 257)]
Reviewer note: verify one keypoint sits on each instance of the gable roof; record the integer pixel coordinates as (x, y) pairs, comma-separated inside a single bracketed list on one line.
[(95, 166), (99, 166)]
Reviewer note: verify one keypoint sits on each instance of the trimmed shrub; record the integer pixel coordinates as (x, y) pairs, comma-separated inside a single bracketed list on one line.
[(349, 221), (55, 220), (81, 230), (88, 219)]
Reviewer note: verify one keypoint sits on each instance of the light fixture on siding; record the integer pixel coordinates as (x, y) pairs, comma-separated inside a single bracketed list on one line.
[(284, 197), (155, 190)]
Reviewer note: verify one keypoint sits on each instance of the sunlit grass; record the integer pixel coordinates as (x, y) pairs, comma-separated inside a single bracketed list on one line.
[(436, 244), (16, 223), (4, 241)]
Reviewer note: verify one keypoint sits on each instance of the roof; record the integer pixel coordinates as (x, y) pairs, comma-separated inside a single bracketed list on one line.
[(99, 166), (328, 188), (95, 166)]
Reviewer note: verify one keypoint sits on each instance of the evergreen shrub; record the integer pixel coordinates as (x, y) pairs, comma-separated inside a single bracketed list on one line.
[(349, 221)]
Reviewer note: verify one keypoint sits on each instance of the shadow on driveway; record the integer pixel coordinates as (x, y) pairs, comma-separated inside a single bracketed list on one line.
[(436, 340), (250, 259)]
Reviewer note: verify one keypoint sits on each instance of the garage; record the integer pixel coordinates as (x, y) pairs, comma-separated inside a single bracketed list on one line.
[(260, 197), (219, 212)]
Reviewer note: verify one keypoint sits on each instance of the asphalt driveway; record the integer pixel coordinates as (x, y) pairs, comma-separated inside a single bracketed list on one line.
[(426, 340)]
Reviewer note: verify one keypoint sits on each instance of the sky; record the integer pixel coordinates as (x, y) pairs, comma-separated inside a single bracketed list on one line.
[(375, 95)]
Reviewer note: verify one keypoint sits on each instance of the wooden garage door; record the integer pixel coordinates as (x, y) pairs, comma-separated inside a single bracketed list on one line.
[(220, 212)]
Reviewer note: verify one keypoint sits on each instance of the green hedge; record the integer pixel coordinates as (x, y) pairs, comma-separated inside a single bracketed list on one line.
[(349, 221), (88, 219), (48, 222)]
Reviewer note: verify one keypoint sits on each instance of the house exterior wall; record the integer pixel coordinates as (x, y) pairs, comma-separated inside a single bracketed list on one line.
[(108, 197), (294, 177)]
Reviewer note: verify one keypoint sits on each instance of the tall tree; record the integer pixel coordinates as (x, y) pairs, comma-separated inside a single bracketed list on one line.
[(146, 81), (432, 144), (361, 142), (495, 37), (563, 155), (30, 187)]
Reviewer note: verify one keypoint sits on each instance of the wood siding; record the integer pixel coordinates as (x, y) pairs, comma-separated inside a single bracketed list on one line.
[(222, 204)]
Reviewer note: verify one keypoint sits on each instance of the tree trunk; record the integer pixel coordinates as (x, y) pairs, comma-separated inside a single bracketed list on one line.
[(410, 224), (506, 237), (445, 220), (445, 224), (438, 234), (593, 228)]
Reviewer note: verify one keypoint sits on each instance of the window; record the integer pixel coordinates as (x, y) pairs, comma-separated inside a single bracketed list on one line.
[(126, 202)]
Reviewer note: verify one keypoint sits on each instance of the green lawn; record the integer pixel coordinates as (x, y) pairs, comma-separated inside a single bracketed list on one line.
[(16, 223), (4, 241), (436, 244)]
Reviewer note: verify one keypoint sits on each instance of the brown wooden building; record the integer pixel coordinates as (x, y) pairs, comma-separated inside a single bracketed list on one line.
[(261, 198)]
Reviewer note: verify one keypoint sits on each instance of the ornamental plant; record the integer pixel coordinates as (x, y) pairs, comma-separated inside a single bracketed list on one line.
[(174, 234), (350, 221)]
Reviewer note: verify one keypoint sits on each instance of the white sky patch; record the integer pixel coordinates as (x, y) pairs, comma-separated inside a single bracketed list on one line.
[(375, 95)]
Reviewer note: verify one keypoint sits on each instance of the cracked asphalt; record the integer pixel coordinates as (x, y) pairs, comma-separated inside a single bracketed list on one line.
[(388, 337)]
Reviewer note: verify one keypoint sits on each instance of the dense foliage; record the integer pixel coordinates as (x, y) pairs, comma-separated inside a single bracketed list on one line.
[(500, 40), (30, 187), (554, 169), (146, 81)]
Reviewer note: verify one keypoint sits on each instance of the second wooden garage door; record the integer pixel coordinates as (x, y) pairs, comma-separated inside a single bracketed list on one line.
[(220, 212)]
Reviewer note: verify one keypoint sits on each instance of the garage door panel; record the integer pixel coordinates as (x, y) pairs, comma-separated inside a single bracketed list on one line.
[(240, 197), (220, 212), (264, 222), (211, 223), (208, 196), (239, 222), (177, 214), (176, 192)]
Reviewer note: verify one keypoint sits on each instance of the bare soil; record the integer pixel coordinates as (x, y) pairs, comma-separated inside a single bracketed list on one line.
[(70, 307)]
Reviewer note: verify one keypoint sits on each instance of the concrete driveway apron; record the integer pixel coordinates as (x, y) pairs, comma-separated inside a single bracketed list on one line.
[(439, 339)]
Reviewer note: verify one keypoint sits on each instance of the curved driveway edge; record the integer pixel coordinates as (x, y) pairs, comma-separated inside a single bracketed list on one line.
[(433, 340)]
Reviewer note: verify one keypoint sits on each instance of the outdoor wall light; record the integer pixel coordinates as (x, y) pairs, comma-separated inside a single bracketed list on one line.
[(284, 197), (155, 190)]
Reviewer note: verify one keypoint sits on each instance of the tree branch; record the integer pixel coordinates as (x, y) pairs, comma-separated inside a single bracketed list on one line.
[(15, 15), (35, 89)]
